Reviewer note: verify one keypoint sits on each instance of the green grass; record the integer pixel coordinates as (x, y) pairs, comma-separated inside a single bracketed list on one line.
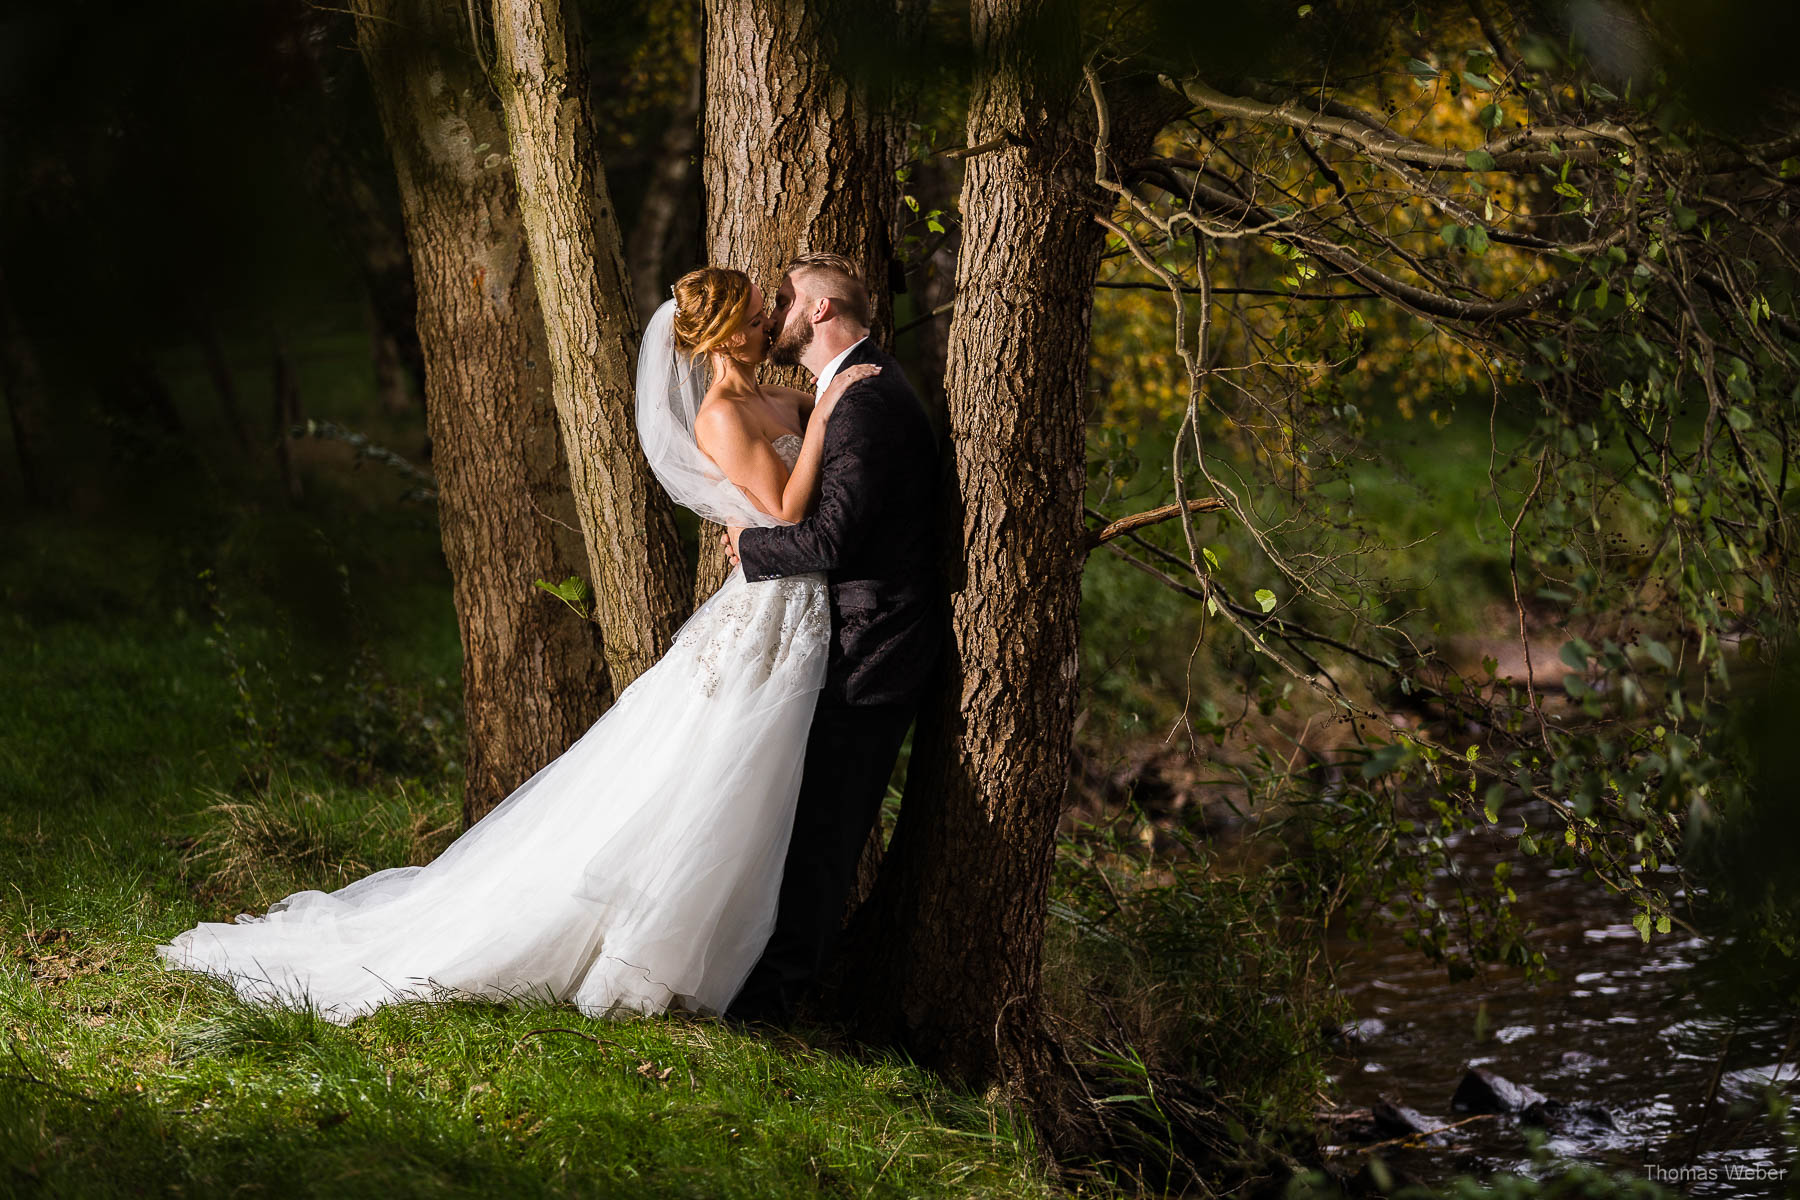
[(174, 748), (211, 697), (125, 1079)]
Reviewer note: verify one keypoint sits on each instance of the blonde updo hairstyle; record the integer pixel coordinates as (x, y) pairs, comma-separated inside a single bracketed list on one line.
[(711, 304)]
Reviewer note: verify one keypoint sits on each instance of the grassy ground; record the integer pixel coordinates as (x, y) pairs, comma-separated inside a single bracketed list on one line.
[(139, 711), (211, 696)]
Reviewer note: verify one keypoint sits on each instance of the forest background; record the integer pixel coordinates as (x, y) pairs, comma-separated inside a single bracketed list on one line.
[(1371, 430)]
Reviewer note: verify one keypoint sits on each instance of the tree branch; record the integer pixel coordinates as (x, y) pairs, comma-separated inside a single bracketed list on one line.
[(1519, 150), (1136, 521)]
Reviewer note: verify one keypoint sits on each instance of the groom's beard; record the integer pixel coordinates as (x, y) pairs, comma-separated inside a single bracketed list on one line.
[(791, 345)]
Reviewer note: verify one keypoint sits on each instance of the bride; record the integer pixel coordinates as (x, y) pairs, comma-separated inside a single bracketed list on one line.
[(639, 871)]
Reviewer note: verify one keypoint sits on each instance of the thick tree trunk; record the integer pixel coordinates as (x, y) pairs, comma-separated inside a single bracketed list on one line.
[(960, 905), (798, 158), (534, 677), (591, 329)]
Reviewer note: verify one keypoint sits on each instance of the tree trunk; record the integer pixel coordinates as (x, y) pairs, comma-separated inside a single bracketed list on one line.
[(346, 174), (392, 389), (23, 382), (284, 415), (534, 677), (591, 329), (960, 905), (218, 369), (798, 158), (670, 177)]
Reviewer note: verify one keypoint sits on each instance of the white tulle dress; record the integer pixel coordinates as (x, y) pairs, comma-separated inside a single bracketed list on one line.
[(637, 872)]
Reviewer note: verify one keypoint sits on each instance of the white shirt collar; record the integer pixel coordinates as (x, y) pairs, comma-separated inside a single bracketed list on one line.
[(831, 368)]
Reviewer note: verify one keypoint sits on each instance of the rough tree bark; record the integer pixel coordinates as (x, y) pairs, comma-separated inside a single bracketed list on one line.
[(534, 677), (591, 327), (798, 157), (959, 908)]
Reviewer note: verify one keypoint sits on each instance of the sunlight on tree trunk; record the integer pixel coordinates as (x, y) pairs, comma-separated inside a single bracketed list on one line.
[(963, 898), (591, 327), (797, 157), (534, 677)]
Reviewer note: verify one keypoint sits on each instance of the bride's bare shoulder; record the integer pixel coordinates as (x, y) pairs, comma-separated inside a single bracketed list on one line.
[(722, 420)]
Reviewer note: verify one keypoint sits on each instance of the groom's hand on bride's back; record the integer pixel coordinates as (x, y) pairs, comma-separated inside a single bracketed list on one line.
[(729, 540)]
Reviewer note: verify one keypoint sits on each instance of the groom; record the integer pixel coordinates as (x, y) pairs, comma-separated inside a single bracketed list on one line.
[(874, 534)]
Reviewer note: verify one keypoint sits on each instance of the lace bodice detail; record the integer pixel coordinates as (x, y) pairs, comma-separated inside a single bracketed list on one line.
[(752, 630)]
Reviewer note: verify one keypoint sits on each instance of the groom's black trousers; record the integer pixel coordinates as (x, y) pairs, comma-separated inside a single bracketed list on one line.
[(850, 754)]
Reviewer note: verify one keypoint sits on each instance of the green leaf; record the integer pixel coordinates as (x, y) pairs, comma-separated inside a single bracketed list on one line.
[(1662, 923), (1475, 237), (1738, 418), (1266, 598), (935, 225), (1491, 117), (1477, 82), (1212, 560), (1573, 655), (1479, 160), (572, 591), (1641, 923), (1421, 68)]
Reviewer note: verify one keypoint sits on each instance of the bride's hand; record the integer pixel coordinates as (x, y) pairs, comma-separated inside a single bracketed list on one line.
[(840, 383)]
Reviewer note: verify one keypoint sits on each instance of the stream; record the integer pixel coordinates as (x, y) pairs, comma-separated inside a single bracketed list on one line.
[(1622, 1026)]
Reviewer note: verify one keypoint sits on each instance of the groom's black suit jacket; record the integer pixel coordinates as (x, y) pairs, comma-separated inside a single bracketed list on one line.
[(875, 535)]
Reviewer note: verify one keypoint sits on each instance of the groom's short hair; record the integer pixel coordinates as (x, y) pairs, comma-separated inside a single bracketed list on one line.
[(833, 277)]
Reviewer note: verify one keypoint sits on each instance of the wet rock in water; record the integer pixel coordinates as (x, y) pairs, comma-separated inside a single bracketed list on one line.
[(1558, 1117), (1393, 1119), (1576, 1060), (1356, 1033), (1482, 1091)]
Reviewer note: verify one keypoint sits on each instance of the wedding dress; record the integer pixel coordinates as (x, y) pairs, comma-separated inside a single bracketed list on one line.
[(638, 871)]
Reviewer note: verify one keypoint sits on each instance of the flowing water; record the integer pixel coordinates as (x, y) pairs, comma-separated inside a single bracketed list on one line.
[(1622, 1026)]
